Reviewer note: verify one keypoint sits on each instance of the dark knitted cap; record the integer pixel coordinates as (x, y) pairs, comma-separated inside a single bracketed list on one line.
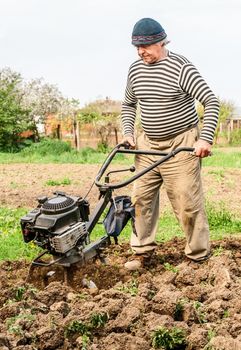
[(147, 31)]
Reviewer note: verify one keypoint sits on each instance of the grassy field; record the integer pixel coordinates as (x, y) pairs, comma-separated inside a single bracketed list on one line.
[(51, 151), (222, 224)]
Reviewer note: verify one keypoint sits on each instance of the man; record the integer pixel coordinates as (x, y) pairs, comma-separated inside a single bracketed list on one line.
[(166, 86)]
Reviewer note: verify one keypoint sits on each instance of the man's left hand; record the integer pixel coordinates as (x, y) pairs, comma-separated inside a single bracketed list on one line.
[(202, 148)]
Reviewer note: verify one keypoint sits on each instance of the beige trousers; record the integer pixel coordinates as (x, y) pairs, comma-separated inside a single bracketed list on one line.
[(181, 178)]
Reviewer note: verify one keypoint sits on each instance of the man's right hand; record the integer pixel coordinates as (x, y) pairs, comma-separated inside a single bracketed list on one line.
[(129, 140)]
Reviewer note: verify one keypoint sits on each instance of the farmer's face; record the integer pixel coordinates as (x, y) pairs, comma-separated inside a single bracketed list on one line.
[(151, 53)]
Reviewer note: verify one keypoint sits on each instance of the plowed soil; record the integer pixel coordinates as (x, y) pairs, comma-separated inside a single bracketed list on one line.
[(105, 307)]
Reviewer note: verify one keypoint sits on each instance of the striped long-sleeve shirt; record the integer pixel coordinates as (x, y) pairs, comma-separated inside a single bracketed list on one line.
[(166, 92)]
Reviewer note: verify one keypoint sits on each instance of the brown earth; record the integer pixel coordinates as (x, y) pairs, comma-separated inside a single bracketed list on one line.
[(201, 299), (121, 310), (21, 184)]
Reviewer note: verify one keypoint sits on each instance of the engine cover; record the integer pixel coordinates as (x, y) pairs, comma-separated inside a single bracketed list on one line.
[(68, 240), (57, 223)]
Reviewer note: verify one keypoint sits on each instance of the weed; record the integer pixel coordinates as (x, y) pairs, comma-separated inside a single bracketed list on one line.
[(83, 296), (199, 312), (78, 327), (208, 347), (131, 288), (85, 342), (13, 185), (13, 323), (15, 329), (218, 251), (169, 339), (170, 267), (19, 293), (211, 334), (179, 309), (225, 313), (64, 182), (99, 319)]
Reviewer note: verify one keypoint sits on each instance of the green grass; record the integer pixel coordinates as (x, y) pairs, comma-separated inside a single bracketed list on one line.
[(12, 246), (64, 182), (222, 224), (223, 159), (55, 151)]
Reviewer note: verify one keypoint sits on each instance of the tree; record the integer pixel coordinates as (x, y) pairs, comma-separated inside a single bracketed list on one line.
[(14, 119), (68, 112), (41, 99), (105, 117)]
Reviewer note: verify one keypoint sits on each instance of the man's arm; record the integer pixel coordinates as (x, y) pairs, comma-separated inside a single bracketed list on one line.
[(192, 83), (128, 115)]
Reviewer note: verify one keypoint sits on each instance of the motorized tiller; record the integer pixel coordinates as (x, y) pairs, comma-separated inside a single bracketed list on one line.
[(62, 225)]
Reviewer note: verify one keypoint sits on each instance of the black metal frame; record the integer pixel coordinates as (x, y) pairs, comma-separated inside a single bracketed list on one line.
[(107, 188)]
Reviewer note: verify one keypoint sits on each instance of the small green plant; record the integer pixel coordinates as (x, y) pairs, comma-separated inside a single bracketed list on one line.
[(208, 347), (211, 334), (131, 288), (82, 296), (199, 312), (19, 293), (219, 174), (218, 251), (13, 185), (99, 319), (179, 309), (15, 329), (225, 313), (85, 342), (77, 327), (64, 182), (13, 325), (169, 339), (170, 267)]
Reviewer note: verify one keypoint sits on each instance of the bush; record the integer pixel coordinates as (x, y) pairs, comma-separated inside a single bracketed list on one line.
[(48, 146), (235, 137)]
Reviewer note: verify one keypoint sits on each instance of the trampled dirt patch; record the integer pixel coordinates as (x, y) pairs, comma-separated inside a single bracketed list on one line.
[(21, 184), (124, 308), (121, 310)]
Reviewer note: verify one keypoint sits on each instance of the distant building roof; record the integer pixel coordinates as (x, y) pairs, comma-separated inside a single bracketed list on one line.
[(236, 113)]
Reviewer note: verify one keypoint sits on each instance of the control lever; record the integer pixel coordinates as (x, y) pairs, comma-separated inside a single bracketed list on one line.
[(132, 169)]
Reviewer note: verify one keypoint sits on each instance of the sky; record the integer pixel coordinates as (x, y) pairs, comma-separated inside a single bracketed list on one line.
[(84, 47)]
